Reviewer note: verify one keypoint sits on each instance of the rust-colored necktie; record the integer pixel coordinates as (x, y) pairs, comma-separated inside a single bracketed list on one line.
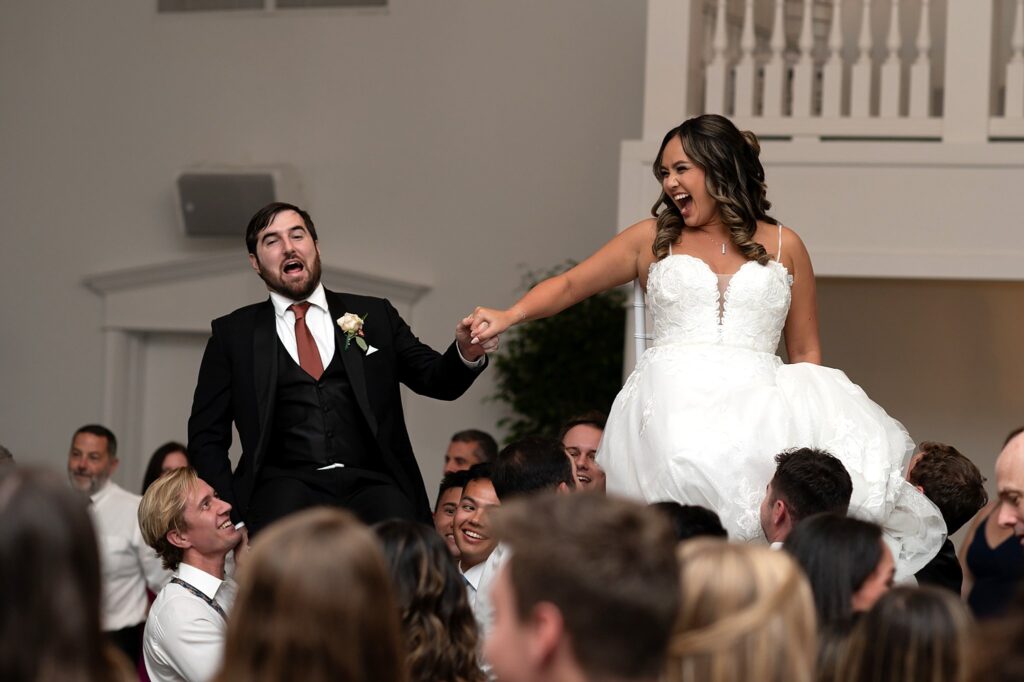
[(309, 354)]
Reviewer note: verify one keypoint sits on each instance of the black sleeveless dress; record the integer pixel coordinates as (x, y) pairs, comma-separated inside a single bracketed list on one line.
[(997, 572)]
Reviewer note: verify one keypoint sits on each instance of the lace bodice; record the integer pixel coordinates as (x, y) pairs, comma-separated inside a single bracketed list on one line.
[(684, 297)]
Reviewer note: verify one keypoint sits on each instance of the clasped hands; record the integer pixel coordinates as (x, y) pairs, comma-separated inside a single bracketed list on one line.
[(479, 332)]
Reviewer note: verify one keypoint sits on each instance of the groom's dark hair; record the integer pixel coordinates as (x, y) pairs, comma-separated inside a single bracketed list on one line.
[(265, 216)]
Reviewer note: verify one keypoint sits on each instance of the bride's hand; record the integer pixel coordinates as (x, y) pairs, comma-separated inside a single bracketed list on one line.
[(486, 323)]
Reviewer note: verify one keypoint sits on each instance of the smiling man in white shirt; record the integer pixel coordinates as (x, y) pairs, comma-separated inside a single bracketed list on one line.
[(190, 528), (128, 565)]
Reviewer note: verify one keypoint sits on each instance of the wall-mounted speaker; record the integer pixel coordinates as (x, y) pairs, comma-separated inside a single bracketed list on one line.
[(220, 202)]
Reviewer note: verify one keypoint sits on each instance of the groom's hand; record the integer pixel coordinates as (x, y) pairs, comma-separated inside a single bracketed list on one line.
[(464, 338)]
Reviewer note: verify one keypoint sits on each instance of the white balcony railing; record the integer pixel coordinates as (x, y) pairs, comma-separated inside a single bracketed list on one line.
[(949, 70)]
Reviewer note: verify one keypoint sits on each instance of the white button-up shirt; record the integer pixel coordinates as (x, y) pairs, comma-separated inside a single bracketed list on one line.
[(320, 325), (128, 564), (184, 637)]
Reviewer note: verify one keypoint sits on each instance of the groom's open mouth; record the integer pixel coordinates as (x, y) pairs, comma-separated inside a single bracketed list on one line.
[(293, 267)]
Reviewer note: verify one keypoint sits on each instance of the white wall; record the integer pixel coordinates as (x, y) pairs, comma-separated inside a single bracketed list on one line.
[(444, 142)]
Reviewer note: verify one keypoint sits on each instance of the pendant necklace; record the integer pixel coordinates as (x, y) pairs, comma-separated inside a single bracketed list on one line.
[(714, 241)]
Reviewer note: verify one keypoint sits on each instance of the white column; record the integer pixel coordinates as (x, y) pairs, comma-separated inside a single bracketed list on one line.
[(746, 69), (832, 74), (666, 77), (124, 378), (803, 72), (860, 77), (1015, 68), (966, 103), (775, 70), (889, 95), (718, 69), (921, 69)]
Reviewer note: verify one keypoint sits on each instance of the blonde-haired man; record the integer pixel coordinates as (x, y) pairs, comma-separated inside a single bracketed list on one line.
[(182, 518)]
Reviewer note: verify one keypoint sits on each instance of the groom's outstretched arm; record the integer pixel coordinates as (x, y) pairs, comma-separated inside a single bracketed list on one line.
[(444, 376)]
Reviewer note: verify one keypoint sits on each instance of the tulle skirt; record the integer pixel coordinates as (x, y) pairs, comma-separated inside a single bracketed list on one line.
[(701, 424)]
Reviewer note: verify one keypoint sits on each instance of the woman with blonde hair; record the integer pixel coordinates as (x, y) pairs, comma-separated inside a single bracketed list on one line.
[(912, 634), (746, 614), (314, 604)]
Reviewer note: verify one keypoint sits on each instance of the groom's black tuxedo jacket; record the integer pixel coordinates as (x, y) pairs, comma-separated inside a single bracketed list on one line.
[(238, 378)]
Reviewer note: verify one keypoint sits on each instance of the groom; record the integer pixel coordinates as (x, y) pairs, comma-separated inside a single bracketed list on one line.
[(316, 402)]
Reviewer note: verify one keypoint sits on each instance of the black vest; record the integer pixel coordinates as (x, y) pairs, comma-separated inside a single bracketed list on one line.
[(318, 422)]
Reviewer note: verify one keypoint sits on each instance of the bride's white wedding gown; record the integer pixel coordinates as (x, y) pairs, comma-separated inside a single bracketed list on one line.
[(710, 404)]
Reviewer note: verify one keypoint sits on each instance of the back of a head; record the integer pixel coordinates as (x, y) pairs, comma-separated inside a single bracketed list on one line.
[(531, 465), (837, 553), (746, 613), (315, 603), (951, 481), (999, 655), (486, 446), (912, 634), (609, 567), (438, 625), (691, 521), (6, 460), (49, 582), (811, 482)]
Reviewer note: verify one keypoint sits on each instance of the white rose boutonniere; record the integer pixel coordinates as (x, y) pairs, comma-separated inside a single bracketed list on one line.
[(352, 326)]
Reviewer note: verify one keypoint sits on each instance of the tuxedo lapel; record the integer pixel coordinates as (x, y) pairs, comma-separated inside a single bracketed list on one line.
[(264, 349), (353, 358)]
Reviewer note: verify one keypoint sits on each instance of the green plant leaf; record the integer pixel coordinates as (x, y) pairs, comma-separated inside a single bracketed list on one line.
[(561, 366), (361, 342)]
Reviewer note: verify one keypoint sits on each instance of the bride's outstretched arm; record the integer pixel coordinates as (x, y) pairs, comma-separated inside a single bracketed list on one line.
[(802, 341), (615, 263)]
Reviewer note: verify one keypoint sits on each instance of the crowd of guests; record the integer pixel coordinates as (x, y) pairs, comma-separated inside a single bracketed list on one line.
[(530, 573)]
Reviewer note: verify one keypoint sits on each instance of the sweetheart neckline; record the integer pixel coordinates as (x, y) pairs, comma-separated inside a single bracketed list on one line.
[(789, 276)]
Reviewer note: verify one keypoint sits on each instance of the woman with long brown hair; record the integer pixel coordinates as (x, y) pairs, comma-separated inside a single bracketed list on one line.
[(437, 623), (912, 634), (314, 604), (50, 586), (708, 407)]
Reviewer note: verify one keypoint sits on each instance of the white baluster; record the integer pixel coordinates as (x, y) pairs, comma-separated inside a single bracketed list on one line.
[(1015, 68), (746, 69), (803, 72), (921, 69), (775, 71), (860, 76), (718, 69), (832, 74), (889, 97)]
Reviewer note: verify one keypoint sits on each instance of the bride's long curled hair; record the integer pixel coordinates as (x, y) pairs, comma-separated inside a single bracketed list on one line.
[(734, 177)]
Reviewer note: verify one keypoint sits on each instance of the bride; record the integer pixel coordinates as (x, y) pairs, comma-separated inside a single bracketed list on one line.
[(710, 404)]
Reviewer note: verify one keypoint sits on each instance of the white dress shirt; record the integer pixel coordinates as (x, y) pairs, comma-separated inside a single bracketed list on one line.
[(472, 578), (184, 637), (483, 609), (128, 564), (320, 325)]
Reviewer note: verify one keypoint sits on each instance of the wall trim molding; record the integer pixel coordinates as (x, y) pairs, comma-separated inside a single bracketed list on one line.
[(169, 272)]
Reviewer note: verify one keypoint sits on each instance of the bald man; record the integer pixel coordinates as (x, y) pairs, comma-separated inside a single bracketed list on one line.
[(1010, 484)]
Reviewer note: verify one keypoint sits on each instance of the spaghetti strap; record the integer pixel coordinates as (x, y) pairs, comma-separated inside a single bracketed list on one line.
[(778, 253), (670, 249)]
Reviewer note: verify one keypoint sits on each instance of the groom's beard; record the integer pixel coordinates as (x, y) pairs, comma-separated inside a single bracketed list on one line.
[(296, 290)]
